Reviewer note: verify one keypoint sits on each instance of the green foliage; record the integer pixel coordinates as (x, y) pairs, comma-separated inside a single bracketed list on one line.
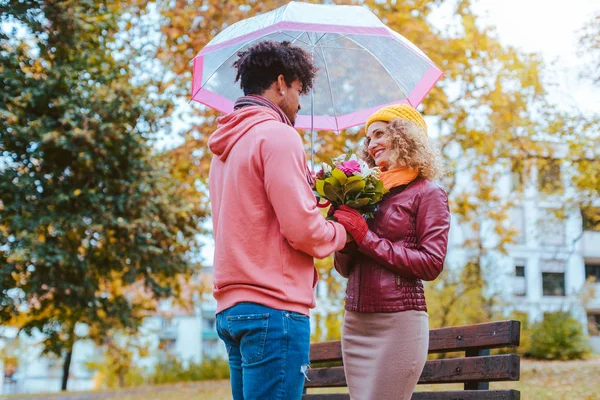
[(171, 371), (558, 336), (93, 228), (457, 298), (328, 325), (108, 378), (174, 371), (525, 340)]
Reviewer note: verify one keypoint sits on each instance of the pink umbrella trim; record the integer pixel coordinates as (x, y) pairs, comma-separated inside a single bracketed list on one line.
[(299, 26), (225, 105)]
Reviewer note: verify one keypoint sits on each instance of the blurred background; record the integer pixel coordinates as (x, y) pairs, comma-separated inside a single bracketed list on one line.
[(105, 235)]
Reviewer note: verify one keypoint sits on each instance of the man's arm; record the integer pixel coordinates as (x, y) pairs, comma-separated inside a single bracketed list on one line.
[(293, 201)]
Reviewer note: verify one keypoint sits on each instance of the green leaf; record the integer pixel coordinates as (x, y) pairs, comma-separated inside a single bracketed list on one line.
[(319, 187), (332, 193), (354, 187), (339, 175), (332, 181), (355, 178), (358, 203)]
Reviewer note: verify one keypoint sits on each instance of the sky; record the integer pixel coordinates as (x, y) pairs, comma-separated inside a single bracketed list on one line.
[(549, 28)]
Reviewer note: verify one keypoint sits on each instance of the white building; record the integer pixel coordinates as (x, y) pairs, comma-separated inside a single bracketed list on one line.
[(554, 256)]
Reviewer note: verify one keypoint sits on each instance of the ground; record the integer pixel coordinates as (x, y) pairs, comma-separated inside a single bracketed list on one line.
[(540, 380)]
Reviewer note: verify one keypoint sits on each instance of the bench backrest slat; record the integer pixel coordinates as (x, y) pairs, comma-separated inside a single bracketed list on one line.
[(503, 367), (460, 338)]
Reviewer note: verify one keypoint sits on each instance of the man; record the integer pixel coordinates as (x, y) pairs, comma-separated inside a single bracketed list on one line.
[(266, 225)]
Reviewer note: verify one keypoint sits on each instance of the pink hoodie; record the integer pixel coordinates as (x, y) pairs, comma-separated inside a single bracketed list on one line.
[(266, 225)]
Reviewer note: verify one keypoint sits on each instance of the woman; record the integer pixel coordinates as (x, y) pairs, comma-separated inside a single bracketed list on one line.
[(386, 331)]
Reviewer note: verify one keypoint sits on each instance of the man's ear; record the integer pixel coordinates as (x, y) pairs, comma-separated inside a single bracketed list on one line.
[(281, 85)]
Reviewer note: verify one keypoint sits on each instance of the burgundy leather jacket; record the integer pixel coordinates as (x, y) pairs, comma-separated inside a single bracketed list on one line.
[(406, 243)]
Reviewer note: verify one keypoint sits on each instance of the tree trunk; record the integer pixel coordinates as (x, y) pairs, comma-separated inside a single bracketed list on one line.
[(121, 375), (66, 367)]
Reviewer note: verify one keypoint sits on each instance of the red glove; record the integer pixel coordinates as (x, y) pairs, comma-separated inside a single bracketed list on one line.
[(354, 223)]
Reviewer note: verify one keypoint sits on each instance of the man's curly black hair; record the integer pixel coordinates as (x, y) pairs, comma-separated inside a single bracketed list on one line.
[(260, 65)]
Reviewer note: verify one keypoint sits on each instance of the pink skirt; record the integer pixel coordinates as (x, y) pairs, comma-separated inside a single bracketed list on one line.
[(384, 353)]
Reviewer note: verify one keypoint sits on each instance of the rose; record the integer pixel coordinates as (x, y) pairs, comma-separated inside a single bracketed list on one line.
[(349, 167)]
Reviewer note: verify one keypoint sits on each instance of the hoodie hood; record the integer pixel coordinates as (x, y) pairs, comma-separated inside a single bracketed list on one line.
[(233, 126)]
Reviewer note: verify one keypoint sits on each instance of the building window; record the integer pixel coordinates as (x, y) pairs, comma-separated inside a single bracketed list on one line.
[(209, 324), (553, 283), (55, 366), (592, 271), (549, 176), (167, 345), (517, 217), (552, 229), (520, 270), (519, 285), (594, 323)]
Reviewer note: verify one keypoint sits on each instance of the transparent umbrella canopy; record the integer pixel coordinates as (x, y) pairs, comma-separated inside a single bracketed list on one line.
[(362, 64)]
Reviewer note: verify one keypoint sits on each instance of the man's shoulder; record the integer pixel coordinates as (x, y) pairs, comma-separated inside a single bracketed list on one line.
[(277, 133), (276, 126)]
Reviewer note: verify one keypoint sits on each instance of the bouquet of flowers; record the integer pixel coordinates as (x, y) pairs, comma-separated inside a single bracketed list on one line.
[(351, 183)]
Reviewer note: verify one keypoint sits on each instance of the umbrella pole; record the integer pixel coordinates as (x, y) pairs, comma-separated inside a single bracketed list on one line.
[(312, 130)]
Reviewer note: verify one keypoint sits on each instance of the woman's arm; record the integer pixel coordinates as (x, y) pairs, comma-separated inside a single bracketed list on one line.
[(343, 260), (426, 261)]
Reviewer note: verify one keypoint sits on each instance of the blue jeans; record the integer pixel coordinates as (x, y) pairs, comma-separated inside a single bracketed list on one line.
[(268, 351)]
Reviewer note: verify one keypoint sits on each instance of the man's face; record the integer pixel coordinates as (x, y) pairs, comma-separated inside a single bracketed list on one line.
[(290, 104)]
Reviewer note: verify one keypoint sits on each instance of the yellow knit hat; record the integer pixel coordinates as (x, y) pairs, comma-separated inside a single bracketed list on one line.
[(402, 111)]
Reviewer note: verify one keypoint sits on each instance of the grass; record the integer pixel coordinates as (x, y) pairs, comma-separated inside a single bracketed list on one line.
[(540, 380)]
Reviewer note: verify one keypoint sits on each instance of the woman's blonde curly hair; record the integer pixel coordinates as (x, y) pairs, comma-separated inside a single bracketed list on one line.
[(410, 147)]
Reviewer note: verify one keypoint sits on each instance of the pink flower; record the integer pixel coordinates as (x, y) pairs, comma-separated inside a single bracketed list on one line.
[(320, 174), (349, 167)]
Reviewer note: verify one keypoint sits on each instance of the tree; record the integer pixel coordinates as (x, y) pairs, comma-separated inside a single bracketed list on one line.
[(586, 148), (589, 46), (93, 228)]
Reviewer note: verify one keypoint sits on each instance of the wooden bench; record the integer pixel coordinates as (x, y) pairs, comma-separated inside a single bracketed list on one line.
[(475, 370)]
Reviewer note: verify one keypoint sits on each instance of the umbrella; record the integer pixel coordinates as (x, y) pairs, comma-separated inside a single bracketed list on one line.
[(362, 64)]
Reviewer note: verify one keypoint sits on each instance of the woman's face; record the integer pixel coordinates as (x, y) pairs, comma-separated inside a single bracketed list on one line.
[(379, 146)]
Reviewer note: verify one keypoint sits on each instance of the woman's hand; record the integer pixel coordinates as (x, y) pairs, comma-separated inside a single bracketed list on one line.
[(353, 221)]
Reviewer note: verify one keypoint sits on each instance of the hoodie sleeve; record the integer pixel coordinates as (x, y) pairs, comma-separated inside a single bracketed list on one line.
[(292, 199)]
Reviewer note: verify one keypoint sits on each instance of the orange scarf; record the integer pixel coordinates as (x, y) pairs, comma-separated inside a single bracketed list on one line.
[(398, 176)]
